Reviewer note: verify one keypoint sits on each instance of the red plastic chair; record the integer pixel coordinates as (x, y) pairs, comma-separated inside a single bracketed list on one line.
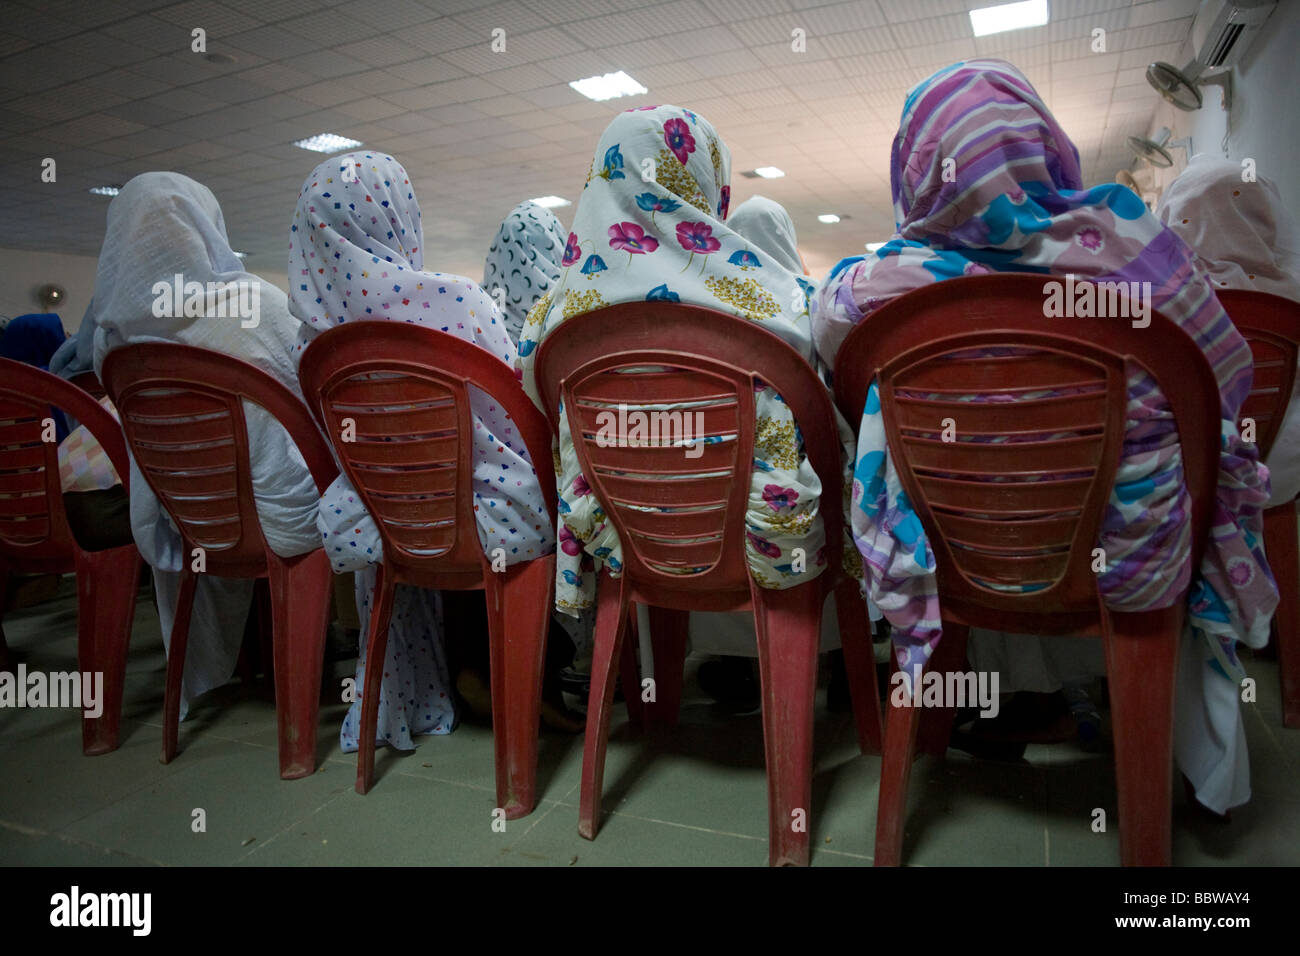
[(1271, 324), (594, 362), (35, 537), (182, 413), (89, 382), (1045, 529), (404, 389)]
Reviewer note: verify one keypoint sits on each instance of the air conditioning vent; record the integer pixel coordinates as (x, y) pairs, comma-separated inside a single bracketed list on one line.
[(1223, 48)]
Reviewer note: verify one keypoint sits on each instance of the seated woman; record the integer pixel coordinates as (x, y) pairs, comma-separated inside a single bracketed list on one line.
[(522, 265), (161, 225), (34, 339), (985, 180), (523, 262), (732, 679), (670, 226), (1243, 238), (355, 254)]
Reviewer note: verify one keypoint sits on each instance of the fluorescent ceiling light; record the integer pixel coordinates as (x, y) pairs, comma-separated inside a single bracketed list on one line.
[(608, 87), (1008, 16), (551, 202), (327, 143), (770, 172), (873, 246), (828, 217), (105, 190), (241, 255)]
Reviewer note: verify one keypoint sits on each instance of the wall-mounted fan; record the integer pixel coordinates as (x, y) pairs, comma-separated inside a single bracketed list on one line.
[(1177, 86), (1156, 151), (1221, 32)]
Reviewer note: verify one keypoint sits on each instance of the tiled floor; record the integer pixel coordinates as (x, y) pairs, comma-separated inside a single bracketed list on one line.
[(696, 795)]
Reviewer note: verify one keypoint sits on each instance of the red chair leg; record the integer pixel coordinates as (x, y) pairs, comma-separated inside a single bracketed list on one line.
[(106, 586), (788, 626), (611, 631), (176, 663), (381, 610), (935, 723), (669, 630), (859, 664), (300, 607), (518, 649), (1141, 659), (895, 771), (502, 729), (1284, 558)]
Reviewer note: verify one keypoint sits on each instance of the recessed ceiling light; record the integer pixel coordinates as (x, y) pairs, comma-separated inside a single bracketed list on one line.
[(828, 217), (241, 255), (105, 190), (327, 143), (608, 87), (551, 202), (873, 246), (1008, 16), (769, 172)]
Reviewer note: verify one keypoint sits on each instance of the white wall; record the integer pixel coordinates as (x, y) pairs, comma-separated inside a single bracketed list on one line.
[(22, 273), (1263, 123)]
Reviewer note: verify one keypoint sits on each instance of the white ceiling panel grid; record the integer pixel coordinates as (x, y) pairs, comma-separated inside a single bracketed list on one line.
[(113, 88)]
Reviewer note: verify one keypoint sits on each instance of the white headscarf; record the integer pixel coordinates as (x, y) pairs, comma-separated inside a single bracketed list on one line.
[(355, 254), (523, 261), (1240, 231), (767, 225), (163, 225)]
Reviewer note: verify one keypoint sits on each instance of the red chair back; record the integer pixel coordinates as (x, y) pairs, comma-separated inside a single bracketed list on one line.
[(1024, 511), (181, 410), (394, 400), (603, 365), (1271, 324), (34, 533)]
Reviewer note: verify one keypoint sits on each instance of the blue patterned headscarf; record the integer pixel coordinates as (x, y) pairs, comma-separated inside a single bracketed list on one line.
[(523, 262)]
